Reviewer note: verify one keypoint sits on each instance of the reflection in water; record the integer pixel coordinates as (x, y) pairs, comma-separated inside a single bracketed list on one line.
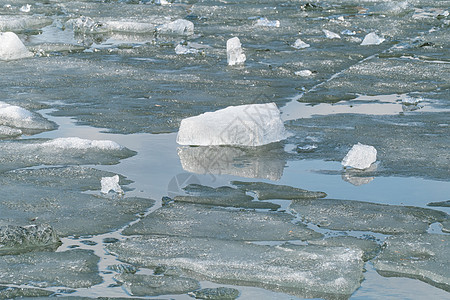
[(356, 177), (243, 162)]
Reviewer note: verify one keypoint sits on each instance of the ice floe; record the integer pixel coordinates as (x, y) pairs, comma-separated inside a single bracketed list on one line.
[(421, 256), (267, 23), (178, 27), (244, 125), (11, 47), (299, 44), (330, 34), (235, 54), (365, 216), (266, 191), (360, 157), (308, 271), (193, 220)]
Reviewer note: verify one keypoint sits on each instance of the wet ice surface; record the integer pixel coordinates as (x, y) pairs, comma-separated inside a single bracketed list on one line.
[(138, 68)]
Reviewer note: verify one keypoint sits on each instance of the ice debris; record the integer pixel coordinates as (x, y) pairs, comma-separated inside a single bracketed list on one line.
[(25, 8), (421, 256), (331, 34), (304, 73), (11, 47), (348, 32), (177, 27), (310, 271), (235, 54), (267, 23), (111, 184), (360, 157), (243, 125), (6, 131), (372, 39), (15, 239), (76, 143), (182, 49), (299, 44)]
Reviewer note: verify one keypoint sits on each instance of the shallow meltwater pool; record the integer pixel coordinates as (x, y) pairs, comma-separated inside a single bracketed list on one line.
[(92, 95)]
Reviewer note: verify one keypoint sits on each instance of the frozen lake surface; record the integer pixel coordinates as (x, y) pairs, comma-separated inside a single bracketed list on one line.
[(94, 89)]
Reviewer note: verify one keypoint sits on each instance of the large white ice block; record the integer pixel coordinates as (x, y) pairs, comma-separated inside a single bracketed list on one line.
[(235, 54), (244, 125), (11, 47), (360, 157)]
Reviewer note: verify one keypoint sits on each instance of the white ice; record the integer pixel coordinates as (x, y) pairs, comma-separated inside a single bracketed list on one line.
[(81, 144), (331, 35), (372, 39), (8, 131), (179, 27), (360, 157), (111, 184), (299, 44), (11, 47), (15, 116), (25, 8), (235, 54), (304, 73), (181, 49), (267, 23), (244, 125)]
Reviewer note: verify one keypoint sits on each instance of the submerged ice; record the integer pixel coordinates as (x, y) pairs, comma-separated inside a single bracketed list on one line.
[(244, 125)]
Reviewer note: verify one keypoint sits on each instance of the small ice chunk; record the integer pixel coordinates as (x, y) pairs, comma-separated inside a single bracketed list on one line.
[(408, 100), (181, 49), (304, 73), (331, 34), (360, 157), (111, 183), (243, 125), (11, 47), (299, 44), (372, 39), (6, 131), (25, 8), (235, 54), (178, 27), (267, 23), (348, 32)]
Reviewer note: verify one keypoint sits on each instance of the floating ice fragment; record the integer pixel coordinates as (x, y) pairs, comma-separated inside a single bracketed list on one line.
[(331, 35), (243, 125), (348, 32), (267, 23), (360, 157), (408, 100), (372, 39), (11, 47), (178, 27), (6, 131), (25, 8), (181, 49), (299, 44), (18, 117), (111, 183), (235, 54), (304, 73)]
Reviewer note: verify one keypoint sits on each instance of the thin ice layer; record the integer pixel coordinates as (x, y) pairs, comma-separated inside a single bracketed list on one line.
[(72, 269), (421, 256), (310, 271), (243, 125), (265, 191), (152, 285), (56, 196), (192, 220), (222, 196), (365, 216)]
